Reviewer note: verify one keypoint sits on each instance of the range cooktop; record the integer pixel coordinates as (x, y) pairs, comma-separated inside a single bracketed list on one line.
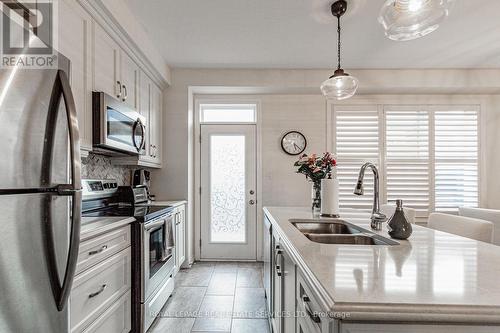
[(141, 213)]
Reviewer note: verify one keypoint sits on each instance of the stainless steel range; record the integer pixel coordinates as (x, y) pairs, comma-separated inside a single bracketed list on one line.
[(152, 243)]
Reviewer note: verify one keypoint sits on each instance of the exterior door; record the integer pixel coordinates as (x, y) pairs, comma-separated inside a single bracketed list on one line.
[(228, 192)]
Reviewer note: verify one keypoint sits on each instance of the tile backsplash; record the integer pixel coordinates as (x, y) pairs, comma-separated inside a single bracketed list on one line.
[(100, 167)]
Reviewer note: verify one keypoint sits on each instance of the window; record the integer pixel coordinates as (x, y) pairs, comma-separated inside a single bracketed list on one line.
[(228, 113), (427, 155)]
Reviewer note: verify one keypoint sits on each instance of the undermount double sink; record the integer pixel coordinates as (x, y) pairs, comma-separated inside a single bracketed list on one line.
[(338, 231)]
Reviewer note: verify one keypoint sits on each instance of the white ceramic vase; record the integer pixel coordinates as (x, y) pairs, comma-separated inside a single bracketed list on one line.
[(330, 197)]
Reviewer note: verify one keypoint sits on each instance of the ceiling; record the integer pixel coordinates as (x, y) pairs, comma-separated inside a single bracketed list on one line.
[(302, 34)]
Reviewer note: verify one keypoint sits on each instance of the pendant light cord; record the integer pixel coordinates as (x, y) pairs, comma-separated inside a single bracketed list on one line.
[(338, 41)]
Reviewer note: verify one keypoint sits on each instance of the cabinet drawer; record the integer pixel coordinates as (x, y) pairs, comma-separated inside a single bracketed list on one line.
[(115, 319), (308, 308), (96, 289), (95, 250)]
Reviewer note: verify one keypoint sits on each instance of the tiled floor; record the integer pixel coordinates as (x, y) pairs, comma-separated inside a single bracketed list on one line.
[(216, 297)]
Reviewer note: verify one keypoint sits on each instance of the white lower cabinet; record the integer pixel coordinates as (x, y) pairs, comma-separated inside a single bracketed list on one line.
[(100, 299), (180, 235), (411, 328)]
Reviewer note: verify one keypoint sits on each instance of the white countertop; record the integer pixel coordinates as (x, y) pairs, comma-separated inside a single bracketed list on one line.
[(173, 203), (93, 226), (433, 276)]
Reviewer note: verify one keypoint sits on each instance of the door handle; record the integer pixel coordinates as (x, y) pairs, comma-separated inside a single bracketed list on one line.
[(126, 93), (61, 290), (251, 202), (104, 247), (99, 291), (314, 317), (118, 95)]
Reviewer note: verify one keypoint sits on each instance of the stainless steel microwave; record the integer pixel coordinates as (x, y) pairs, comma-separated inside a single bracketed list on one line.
[(116, 128)]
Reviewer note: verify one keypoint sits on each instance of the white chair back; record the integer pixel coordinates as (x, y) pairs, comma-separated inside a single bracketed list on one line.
[(388, 210), (477, 229), (491, 215)]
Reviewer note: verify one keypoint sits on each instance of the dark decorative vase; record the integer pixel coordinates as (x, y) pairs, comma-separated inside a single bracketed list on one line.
[(316, 197), (399, 227)]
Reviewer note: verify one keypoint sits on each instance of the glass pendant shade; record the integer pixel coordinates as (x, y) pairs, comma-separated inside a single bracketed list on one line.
[(339, 86), (410, 19)]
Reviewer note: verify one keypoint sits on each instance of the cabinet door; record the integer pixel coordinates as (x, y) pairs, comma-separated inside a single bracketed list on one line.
[(106, 63), (156, 123), (182, 235), (129, 77), (288, 294), (145, 110), (277, 318), (75, 30)]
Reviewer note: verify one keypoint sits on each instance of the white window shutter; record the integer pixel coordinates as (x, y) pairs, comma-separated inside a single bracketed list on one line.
[(456, 157), (407, 157), (356, 142)]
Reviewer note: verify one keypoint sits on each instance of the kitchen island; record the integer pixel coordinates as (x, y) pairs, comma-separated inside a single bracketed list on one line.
[(433, 282)]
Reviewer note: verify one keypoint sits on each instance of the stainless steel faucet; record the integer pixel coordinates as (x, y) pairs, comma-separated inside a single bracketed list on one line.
[(377, 217)]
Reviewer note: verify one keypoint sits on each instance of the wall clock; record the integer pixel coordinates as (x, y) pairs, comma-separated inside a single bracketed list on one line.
[(293, 143)]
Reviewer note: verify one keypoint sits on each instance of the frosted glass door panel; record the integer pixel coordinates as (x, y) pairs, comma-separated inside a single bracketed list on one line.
[(227, 188), (228, 200)]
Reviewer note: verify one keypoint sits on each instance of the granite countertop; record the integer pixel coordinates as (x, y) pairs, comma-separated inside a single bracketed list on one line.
[(93, 226), (431, 277)]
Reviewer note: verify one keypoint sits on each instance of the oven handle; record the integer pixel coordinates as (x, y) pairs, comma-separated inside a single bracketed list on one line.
[(153, 225)]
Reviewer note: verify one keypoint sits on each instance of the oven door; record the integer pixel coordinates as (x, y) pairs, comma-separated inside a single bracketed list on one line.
[(121, 129), (158, 253)]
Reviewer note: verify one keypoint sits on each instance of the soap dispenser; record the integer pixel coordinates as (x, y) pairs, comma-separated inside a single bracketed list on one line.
[(399, 227)]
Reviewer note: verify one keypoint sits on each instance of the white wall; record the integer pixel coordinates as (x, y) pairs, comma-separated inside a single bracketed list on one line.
[(291, 99)]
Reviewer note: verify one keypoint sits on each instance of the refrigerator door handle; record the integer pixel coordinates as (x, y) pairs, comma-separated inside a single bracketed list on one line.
[(61, 290), (74, 142)]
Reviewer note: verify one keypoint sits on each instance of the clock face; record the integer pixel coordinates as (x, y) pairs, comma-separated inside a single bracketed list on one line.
[(293, 143)]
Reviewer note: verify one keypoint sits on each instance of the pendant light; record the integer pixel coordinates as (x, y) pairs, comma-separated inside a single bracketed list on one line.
[(340, 85), (410, 19)]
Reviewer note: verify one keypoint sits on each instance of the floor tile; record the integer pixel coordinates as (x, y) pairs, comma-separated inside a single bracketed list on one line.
[(216, 307), (212, 325), (222, 283), (250, 326), (249, 303), (224, 266), (184, 302), (167, 325), (251, 264), (197, 276), (249, 277)]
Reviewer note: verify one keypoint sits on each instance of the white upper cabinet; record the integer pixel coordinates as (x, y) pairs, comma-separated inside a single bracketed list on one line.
[(101, 61), (106, 63), (129, 80), (75, 37)]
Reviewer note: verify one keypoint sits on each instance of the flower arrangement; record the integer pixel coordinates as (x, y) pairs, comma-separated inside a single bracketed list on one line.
[(316, 168)]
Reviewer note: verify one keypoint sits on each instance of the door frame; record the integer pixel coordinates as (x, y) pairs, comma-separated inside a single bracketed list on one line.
[(225, 99)]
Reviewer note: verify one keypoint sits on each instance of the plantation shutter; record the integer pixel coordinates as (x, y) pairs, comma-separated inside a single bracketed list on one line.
[(356, 136), (407, 157), (456, 157)]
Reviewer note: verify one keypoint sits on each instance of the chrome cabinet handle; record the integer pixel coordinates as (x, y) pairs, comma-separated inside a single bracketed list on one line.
[(99, 291), (314, 317), (251, 202), (120, 89), (104, 247), (126, 93), (252, 192)]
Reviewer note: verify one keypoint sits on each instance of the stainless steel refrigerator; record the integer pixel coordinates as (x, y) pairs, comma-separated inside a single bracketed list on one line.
[(40, 198)]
